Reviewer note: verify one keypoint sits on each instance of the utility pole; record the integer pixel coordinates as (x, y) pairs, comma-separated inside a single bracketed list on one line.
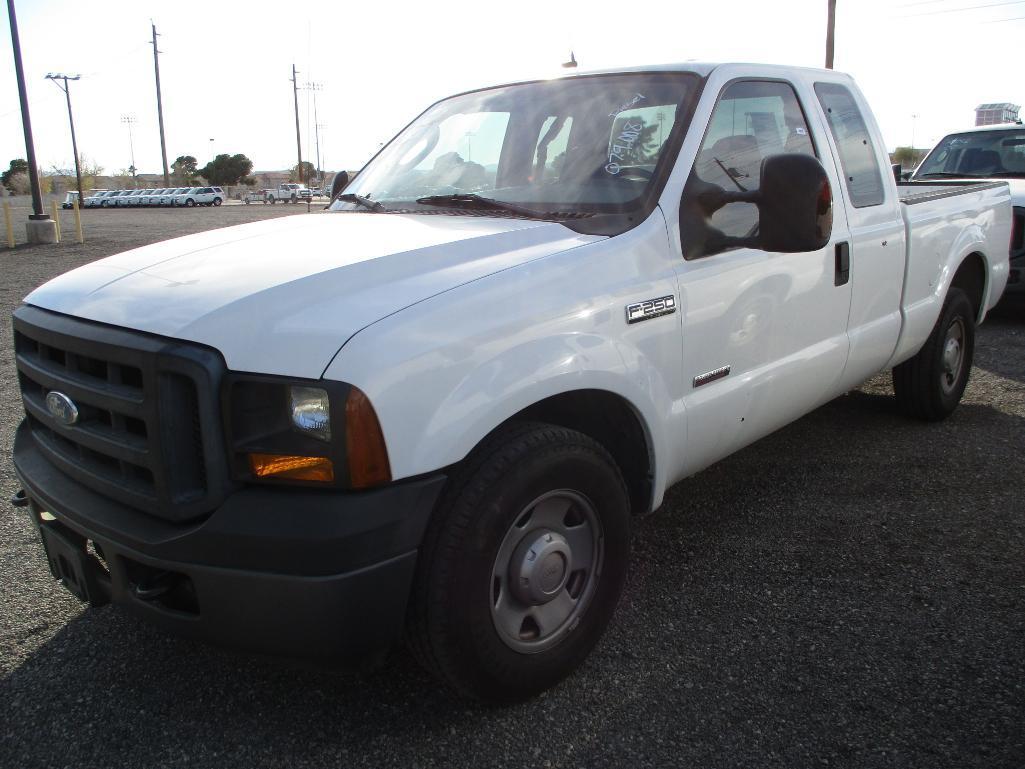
[(129, 120), (830, 30), (314, 87), (298, 135), (71, 120), (160, 106), (41, 228)]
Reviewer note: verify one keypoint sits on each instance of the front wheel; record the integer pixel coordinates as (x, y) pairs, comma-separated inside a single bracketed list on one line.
[(930, 385), (523, 563)]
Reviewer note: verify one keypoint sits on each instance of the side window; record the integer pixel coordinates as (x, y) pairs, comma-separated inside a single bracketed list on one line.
[(752, 120), (853, 143)]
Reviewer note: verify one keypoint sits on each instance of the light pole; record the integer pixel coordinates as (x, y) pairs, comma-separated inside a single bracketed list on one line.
[(40, 228), (298, 135), (129, 120), (71, 121), (160, 104)]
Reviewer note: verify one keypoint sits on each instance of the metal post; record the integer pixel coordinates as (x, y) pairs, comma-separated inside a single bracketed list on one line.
[(830, 30), (160, 106), (30, 150), (8, 224), (298, 135), (78, 221), (56, 218), (71, 121)]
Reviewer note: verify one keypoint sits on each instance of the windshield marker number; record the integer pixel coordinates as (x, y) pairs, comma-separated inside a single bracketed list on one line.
[(650, 308)]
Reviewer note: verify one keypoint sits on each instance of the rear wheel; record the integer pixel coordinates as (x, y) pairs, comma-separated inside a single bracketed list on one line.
[(217, 201), (930, 385), (189, 203), (523, 564)]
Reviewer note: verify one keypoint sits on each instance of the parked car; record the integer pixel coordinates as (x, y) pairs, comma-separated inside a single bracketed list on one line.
[(986, 152), (200, 196), (439, 427), (92, 200), (110, 200), (130, 198)]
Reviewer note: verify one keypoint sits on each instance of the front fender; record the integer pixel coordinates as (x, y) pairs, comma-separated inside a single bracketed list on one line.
[(443, 373)]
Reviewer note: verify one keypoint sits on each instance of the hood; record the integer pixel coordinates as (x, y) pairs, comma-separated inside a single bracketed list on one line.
[(283, 295)]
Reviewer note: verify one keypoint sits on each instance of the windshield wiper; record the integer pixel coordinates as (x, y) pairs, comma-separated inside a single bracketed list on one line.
[(473, 201), (360, 200), (949, 175)]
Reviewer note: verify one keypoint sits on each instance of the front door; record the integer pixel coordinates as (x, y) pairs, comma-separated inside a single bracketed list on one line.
[(764, 334)]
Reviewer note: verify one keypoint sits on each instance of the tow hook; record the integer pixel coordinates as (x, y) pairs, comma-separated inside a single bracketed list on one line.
[(20, 498), (154, 587)]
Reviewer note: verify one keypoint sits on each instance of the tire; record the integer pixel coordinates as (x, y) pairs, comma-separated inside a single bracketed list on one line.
[(103, 204), (930, 385), (189, 203), (217, 201), (503, 514)]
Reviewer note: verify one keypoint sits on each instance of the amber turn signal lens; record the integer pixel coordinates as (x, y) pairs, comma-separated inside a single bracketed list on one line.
[(292, 467), (364, 443)]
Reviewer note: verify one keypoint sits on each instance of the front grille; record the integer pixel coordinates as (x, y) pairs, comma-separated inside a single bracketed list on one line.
[(148, 430)]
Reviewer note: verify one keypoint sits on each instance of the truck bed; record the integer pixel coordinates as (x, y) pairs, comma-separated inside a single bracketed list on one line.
[(941, 218), (912, 193)]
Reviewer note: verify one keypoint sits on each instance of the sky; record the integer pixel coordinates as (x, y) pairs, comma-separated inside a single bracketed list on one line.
[(225, 66)]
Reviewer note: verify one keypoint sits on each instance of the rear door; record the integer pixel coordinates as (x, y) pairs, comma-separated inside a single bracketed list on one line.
[(764, 334), (877, 249)]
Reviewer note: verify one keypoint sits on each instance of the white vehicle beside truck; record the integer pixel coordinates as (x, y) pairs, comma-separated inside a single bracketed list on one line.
[(996, 153), (289, 192), (438, 423)]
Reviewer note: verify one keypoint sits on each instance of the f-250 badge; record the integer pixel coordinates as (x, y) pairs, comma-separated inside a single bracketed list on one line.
[(650, 308)]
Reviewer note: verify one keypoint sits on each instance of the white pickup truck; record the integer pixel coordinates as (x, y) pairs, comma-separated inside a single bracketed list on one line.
[(995, 152), (439, 422), (289, 192)]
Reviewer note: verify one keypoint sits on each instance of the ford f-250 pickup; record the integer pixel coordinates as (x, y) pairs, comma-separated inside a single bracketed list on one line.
[(538, 307)]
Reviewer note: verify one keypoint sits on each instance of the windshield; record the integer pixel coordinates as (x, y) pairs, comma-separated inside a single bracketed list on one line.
[(590, 144), (983, 154)]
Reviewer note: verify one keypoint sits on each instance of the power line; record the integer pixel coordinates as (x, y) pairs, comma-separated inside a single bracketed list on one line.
[(964, 8)]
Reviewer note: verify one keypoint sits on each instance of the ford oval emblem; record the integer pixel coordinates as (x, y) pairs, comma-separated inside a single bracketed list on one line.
[(61, 408)]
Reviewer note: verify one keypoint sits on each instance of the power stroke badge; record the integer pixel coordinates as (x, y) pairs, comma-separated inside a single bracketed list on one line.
[(650, 308)]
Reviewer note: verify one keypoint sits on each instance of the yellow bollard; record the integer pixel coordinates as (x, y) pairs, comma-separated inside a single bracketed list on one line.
[(78, 221), (56, 218), (8, 224)]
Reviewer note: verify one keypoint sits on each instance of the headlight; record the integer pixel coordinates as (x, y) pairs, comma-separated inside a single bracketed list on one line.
[(316, 433), (311, 411)]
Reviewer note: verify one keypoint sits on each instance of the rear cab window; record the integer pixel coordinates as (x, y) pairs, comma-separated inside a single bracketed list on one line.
[(853, 144)]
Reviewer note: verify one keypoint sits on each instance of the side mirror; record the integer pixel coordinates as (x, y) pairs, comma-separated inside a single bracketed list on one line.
[(897, 171), (795, 204), (795, 209), (339, 183)]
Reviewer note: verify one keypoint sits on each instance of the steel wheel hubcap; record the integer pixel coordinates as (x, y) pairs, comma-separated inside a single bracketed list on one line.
[(953, 355), (546, 571)]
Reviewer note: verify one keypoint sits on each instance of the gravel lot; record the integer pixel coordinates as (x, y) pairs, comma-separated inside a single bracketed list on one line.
[(847, 592)]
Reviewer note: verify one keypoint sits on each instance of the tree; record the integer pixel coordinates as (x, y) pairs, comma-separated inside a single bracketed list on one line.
[(226, 169), (18, 183), (184, 169), (908, 157), (309, 172), (18, 166)]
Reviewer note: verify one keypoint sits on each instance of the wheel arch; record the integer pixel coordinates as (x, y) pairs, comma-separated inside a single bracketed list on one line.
[(972, 277), (611, 420)]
